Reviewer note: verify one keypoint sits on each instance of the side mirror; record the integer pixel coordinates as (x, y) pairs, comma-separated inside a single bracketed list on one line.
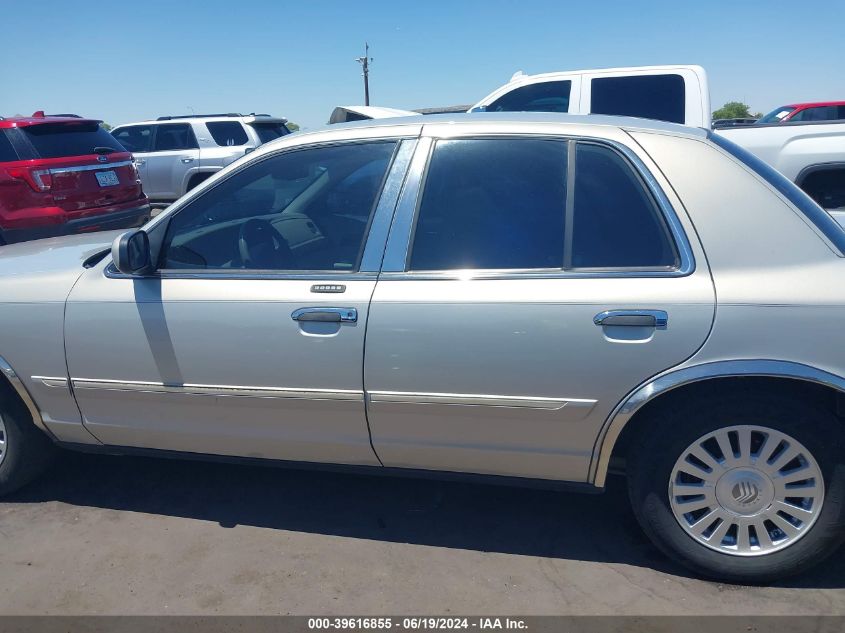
[(131, 253)]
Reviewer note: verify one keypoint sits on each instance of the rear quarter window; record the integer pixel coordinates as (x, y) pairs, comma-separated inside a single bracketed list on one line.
[(270, 131), (227, 133), (7, 152), (661, 97), (56, 140)]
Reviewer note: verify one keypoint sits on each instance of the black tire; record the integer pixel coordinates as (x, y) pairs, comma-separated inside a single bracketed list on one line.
[(670, 430), (27, 450)]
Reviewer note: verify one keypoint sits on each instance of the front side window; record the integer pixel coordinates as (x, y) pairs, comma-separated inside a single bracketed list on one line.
[(174, 137), (304, 210), (227, 133), (548, 96), (506, 204), (135, 138), (661, 97)]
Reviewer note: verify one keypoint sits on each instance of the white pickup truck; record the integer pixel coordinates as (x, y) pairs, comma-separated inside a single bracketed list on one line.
[(811, 154)]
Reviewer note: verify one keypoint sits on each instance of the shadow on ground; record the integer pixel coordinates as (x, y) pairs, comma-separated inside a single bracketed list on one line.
[(599, 528)]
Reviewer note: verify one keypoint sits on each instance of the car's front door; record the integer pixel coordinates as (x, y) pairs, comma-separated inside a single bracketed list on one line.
[(249, 338), (532, 285)]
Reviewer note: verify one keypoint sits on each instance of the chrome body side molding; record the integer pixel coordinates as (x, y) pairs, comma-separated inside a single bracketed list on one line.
[(20, 388), (672, 379), (216, 390), (460, 399), (51, 381)]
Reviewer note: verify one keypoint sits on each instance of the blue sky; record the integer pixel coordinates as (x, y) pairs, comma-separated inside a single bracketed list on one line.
[(126, 61)]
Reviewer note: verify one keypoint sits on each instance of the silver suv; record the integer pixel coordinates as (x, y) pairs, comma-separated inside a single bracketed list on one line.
[(176, 153)]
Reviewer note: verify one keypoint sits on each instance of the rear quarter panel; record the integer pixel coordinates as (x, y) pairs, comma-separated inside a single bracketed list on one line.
[(778, 282)]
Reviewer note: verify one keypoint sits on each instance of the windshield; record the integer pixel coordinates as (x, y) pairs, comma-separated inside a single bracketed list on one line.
[(776, 116)]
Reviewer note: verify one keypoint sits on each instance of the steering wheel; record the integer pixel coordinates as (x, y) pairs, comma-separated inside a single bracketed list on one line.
[(262, 247)]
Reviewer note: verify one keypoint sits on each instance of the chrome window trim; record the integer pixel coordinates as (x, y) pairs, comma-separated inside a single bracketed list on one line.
[(17, 384), (404, 219), (673, 378), (381, 219), (404, 222)]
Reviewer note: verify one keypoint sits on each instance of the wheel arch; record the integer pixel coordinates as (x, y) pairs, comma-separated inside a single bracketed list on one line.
[(10, 379), (657, 388)]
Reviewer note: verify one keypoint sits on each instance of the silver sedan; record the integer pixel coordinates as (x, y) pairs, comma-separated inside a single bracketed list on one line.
[(535, 299)]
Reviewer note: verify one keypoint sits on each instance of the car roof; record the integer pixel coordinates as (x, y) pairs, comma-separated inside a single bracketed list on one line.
[(26, 121), (814, 104), (480, 118), (210, 118)]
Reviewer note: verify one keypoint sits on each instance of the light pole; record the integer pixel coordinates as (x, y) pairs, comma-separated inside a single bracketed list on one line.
[(365, 63)]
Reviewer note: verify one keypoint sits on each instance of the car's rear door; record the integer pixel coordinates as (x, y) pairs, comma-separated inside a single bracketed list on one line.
[(249, 338), (530, 285), (174, 157)]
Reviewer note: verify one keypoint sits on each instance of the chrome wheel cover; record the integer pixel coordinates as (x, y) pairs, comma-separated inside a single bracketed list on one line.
[(3, 439), (746, 490)]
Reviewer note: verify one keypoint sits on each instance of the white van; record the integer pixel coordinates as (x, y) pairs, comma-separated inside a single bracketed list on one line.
[(678, 94)]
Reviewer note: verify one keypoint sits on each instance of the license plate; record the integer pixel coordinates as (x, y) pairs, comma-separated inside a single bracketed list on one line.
[(107, 178)]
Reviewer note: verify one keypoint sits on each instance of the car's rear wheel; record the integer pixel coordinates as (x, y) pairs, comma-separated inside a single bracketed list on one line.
[(749, 489), (25, 452)]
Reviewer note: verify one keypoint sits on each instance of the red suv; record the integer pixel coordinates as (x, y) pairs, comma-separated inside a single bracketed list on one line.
[(64, 174)]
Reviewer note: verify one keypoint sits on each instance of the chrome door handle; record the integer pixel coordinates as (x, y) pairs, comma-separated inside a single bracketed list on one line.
[(642, 318), (187, 160), (330, 315)]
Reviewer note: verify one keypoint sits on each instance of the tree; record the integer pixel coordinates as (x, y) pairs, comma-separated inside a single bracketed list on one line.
[(732, 110), (106, 126), (293, 127)]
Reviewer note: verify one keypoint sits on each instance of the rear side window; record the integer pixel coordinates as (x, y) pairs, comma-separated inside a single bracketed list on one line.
[(506, 204), (7, 152), (56, 140), (820, 113), (660, 97), (227, 133), (270, 131), (174, 136), (829, 227), (548, 96), (135, 138), (492, 203)]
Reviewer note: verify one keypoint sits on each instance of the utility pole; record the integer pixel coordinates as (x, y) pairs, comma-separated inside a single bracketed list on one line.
[(365, 63)]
